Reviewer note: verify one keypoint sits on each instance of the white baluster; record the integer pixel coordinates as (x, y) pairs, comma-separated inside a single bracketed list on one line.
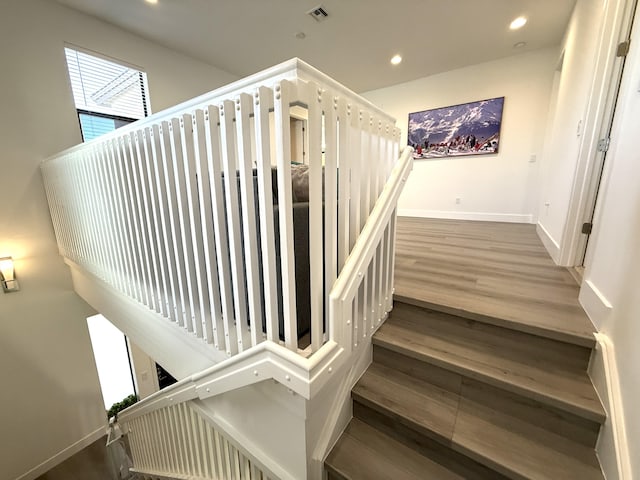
[(282, 97), (171, 168), (166, 247), (313, 97), (264, 103), (224, 328), (244, 110), (209, 263), (329, 106), (230, 163)]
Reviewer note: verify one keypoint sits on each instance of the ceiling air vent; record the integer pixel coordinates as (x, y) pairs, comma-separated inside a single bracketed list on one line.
[(318, 13)]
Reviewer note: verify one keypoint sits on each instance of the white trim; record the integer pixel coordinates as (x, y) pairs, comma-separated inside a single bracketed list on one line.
[(600, 106), (475, 216), (265, 361), (594, 303), (612, 447), (550, 243), (341, 411), (64, 454)]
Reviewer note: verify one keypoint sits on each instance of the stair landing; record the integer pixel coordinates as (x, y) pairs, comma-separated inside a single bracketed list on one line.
[(497, 273)]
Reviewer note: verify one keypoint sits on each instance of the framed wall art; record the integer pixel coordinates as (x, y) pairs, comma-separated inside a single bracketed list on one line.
[(465, 129)]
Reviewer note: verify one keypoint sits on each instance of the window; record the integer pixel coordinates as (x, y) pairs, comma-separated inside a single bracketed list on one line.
[(107, 94)]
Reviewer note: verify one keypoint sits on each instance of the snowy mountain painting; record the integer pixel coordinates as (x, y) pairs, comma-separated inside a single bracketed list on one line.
[(467, 129)]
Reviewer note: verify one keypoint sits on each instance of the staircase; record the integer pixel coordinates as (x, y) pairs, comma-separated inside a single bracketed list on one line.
[(255, 281), (471, 395)]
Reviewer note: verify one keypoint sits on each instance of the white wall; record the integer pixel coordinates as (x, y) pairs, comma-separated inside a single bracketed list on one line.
[(574, 125), (562, 154), (144, 370), (611, 292), (50, 396), (502, 187)]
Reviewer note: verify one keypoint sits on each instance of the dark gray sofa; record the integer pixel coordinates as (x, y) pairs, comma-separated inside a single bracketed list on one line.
[(301, 256)]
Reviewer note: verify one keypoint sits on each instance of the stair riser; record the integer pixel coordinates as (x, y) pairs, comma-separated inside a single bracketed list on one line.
[(398, 419), (498, 381), (561, 422), (507, 359), (438, 451), (509, 341), (450, 452)]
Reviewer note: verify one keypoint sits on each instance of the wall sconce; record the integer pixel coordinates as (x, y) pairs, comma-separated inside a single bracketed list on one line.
[(7, 275)]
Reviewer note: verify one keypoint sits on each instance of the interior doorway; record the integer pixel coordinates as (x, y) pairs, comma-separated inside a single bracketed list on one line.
[(112, 358), (123, 367), (298, 140), (609, 111)]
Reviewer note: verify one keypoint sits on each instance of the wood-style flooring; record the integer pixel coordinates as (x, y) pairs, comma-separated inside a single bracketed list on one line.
[(480, 371), (494, 272)]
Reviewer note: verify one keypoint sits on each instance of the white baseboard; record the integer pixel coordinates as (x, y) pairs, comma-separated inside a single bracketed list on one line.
[(475, 216), (612, 442), (594, 303), (63, 455), (550, 243)]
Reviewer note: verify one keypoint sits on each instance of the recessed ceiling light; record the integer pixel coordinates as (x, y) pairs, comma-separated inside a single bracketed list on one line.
[(396, 59), (153, 2), (518, 23), (519, 44)]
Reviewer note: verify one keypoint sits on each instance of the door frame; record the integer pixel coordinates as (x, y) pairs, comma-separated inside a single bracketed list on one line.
[(616, 28)]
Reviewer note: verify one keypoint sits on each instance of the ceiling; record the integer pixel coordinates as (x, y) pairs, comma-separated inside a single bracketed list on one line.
[(353, 44)]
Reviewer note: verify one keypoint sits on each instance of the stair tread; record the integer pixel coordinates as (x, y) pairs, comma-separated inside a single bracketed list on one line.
[(564, 423), (418, 404), (439, 452), (479, 429), (537, 368), (363, 452), (517, 448), (494, 311)]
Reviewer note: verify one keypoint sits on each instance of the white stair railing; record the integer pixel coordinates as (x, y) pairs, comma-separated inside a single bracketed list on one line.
[(182, 442), (360, 300), (192, 217), (180, 212), (363, 293)]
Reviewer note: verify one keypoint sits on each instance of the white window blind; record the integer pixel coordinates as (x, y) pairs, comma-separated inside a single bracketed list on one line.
[(107, 88)]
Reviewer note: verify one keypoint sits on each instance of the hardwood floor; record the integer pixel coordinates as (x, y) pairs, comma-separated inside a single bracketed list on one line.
[(494, 272), (480, 371)]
